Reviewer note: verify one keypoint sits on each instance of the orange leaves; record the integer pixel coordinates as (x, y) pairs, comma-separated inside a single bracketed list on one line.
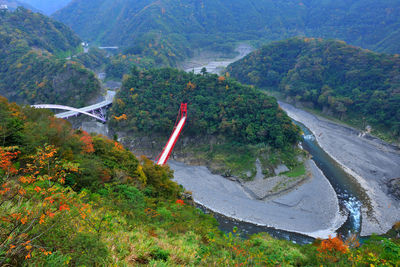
[(39, 180), (151, 213), (6, 158), (333, 244), (42, 84), (24, 220), (42, 217), (25, 180), (118, 146), (63, 207), (50, 214), (329, 248), (37, 189), (221, 79), (84, 210), (88, 142), (122, 117), (190, 86), (22, 192)]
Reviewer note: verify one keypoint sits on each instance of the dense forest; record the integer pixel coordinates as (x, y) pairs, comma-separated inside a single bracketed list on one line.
[(33, 69), (217, 106), (170, 30), (247, 124), (70, 198), (329, 75)]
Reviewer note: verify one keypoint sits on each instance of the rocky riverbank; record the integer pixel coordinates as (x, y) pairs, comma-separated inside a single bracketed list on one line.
[(311, 208), (372, 162)]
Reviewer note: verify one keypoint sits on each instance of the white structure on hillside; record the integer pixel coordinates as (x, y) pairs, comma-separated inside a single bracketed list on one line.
[(3, 7)]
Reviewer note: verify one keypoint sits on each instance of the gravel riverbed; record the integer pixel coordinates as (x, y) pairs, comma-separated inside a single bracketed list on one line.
[(311, 208), (369, 160)]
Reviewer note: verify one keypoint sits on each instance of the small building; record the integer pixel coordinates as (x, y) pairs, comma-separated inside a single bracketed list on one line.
[(3, 7)]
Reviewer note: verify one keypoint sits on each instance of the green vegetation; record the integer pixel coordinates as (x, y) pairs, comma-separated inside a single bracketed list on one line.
[(297, 171), (236, 115), (350, 83), (95, 59), (120, 65), (70, 198), (167, 31), (218, 106), (31, 69)]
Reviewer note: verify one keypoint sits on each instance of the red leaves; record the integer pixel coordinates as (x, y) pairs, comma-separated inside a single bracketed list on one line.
[(63, 207), (6, 158), (180, 202), (88, 142)]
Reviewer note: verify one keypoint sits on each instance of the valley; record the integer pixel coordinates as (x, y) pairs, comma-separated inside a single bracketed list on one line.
[(375, 220), (284, 158)]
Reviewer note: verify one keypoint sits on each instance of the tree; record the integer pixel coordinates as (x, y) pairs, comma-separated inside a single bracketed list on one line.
[(38, 199)]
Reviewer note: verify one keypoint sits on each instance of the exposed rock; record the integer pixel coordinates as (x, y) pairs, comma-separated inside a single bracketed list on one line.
[(281, 169)]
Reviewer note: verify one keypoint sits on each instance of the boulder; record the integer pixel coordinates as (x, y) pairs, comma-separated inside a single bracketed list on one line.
[(281, 169)]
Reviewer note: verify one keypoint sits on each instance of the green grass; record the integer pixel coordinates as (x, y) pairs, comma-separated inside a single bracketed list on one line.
[(296, 171)]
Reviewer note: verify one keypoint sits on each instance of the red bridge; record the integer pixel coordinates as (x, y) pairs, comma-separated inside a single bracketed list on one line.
[(164, 156)]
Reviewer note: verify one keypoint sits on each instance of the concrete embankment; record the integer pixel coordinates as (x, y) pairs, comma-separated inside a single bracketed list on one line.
[(370, 161)]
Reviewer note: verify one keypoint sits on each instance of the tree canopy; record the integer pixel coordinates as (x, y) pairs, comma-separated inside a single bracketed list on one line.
[(348, 80)]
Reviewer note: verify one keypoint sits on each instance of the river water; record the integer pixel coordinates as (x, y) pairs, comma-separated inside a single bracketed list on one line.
[(347, 191)]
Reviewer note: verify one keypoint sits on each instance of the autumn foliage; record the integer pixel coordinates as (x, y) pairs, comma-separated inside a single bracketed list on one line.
[(332, 248), (37, 197), (119, 118), (88, 142)]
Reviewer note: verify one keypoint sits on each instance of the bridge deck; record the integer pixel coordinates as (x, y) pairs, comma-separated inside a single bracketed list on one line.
[(108, 101)]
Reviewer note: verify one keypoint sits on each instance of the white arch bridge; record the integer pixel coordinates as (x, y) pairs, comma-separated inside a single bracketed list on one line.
[(95, 111)]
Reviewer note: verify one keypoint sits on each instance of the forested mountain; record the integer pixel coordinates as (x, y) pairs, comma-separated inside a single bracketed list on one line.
[(47, 6), (343, 80), (238, 117), (169, 30), (218, 106), (32, 68)]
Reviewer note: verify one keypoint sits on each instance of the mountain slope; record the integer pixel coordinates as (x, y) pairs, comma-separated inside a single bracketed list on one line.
[(185, 25), (31, 72), (240, 123), (343, 80)]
